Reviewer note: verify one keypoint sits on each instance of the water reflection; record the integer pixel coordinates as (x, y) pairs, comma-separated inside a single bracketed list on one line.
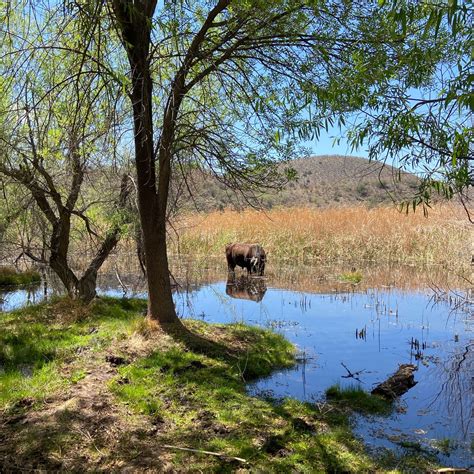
[(367, 332), (245, 287), (24, 296)]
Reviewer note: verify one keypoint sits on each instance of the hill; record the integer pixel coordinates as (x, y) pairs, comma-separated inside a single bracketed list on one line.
[(322, 181)]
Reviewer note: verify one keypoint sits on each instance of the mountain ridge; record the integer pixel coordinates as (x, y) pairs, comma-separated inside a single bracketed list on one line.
[(322, 181)]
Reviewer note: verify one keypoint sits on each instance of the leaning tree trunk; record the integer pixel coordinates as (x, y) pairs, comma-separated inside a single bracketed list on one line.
[(83, 288), (87, 284)]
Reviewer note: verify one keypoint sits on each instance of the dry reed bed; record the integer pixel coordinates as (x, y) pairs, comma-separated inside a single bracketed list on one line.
[(338, 234)]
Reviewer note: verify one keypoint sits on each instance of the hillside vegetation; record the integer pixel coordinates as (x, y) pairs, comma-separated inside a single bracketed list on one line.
[(322, 181)]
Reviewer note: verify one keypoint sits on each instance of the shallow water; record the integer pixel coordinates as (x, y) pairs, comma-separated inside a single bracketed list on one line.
[(370, 333), (367, 329)]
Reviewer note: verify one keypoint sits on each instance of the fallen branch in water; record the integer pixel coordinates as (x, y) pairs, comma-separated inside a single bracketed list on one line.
[(200, 451), (353, 375)]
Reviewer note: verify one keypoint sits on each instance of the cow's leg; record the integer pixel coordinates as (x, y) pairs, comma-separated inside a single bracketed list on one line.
[(230, 264)]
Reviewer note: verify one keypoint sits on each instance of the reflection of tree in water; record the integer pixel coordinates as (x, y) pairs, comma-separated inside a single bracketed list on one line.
[(456, 387), (19, 296), (456, 372), (246, 288)]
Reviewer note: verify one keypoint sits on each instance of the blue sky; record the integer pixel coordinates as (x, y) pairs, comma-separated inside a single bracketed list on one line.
[(325, 145)]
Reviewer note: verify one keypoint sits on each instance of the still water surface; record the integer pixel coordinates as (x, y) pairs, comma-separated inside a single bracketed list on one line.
[(368, 329)]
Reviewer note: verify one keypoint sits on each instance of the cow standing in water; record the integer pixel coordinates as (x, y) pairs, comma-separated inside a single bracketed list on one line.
[(249, 256)]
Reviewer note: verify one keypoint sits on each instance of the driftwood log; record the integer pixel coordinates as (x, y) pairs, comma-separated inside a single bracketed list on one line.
[(398, 383)]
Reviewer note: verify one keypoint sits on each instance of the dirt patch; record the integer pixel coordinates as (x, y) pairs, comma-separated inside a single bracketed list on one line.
[(82, 427)]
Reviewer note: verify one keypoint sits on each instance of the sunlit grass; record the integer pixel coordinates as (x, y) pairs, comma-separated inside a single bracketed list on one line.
[(202, 404), (178, 397), (35, 342), (357, 399)]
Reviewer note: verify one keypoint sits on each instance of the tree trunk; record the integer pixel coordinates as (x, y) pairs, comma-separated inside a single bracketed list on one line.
[(160, 300), (140, 248), (86, 287), (134, 21), (398, 383), (60, 266), (59, 249), (152, 216)]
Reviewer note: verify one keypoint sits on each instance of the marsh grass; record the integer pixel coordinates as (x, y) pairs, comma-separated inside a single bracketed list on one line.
[(352, 277), (380, 234), (357, 399), (9, 276), (445, 445)]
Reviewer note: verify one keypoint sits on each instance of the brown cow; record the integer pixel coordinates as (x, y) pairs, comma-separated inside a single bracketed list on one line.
[(249, 256)]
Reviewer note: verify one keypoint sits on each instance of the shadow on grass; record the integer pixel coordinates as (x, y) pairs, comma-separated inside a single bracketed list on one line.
[(77, 436), (186, 394)]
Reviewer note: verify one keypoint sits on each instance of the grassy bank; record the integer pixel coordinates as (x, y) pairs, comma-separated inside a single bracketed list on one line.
[(9, 276), (38, 342), (337, 234), (91, 388)]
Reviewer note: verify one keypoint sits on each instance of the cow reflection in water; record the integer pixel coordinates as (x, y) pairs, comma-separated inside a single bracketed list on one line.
[(246, 288)]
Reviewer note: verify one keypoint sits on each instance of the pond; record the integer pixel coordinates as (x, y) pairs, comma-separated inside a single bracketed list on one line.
[(368, 329)]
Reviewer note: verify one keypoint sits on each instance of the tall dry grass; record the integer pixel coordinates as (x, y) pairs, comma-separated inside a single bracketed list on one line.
[(339, 234)]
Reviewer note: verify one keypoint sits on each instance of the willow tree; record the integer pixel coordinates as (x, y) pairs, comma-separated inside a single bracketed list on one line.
[(428, 126), (235, 84), (232, 86), (55, 130)]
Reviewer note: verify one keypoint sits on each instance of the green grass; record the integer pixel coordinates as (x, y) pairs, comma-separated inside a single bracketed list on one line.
[(412, 461), (9, 276), (352, 277), (445, 445), (35, 343), (357, 399)]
